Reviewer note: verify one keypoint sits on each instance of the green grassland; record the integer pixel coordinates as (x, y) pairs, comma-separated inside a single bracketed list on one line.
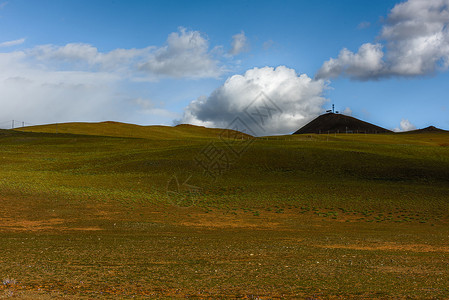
[(101, 209)]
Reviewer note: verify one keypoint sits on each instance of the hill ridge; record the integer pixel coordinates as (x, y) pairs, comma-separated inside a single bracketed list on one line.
[(428, 129), (118, 129)]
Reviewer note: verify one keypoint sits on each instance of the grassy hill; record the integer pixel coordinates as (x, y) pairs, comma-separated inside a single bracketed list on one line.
[(270, 164), (324, 216), (118, 129)]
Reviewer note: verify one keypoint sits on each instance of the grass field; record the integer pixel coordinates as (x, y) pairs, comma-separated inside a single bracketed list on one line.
[(118, 210)]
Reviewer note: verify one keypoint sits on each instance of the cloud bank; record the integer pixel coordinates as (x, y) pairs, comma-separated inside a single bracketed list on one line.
[(78, 82), (32, 94), (269, 101), (413, 42), (186, 54)]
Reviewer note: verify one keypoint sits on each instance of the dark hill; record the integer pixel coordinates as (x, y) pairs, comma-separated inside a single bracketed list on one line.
[(430, 129), (338, 123)]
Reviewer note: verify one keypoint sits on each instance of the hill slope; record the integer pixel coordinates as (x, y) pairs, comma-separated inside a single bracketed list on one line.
[(337, 123), (117, 129)]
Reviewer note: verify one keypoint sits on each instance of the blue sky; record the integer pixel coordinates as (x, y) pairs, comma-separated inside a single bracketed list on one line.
[(59, 61)]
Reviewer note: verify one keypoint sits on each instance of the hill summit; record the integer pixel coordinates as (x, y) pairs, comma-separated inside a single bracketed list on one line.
[(338, 123)]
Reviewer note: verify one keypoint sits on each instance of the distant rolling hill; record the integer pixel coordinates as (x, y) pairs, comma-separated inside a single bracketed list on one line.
[(430, 129), (425, 136), (117, 129)]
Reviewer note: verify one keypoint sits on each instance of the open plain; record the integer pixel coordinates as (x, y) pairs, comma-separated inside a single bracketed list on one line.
[(118, 210)]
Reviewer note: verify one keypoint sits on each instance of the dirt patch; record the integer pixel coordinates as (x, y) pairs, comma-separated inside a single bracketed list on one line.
[(93, 228), (28, 225), (390, 247), (405, 270), (229, 224), (227, 221), (50, 224)]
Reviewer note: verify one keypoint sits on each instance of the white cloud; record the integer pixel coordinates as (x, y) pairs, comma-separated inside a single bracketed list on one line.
[(72, 53), (365, 64), (347, 111), (87, 57), (405, 125), (363, 25), (291, 101), (12, 43), (239, 44), (186, 54), (416, 42)]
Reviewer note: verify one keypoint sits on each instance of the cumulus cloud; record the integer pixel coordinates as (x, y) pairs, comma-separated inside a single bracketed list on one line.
[(12, 43), (405, 125), (239, 44), (365, 64), (186, 54), (415, 41), (267, 100)]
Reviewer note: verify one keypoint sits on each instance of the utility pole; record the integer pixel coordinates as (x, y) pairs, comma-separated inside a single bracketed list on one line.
[(333, 108)]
